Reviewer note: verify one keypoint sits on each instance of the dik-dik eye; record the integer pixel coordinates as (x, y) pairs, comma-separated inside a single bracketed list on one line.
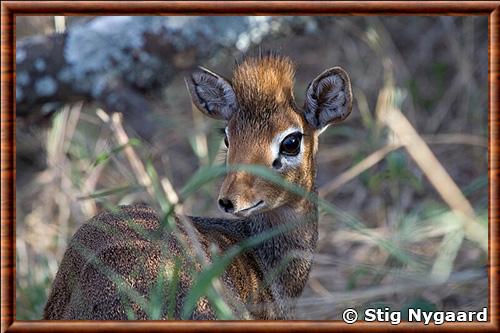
[(290, 146), (226, 140)]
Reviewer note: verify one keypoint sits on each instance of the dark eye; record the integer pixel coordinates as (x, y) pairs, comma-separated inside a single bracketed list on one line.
[(290, 146), (226, 141)]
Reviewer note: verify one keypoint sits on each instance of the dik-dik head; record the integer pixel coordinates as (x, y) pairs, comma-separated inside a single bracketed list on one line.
[(265, 126)]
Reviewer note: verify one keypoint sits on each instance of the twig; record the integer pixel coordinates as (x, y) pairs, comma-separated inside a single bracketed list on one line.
[(351, 173), (326, 155), (404, 133), (443, 265), (377, 156), (136, 164), (169, 190), (402, 288), (318, 288), (200, 138), (456, 138)]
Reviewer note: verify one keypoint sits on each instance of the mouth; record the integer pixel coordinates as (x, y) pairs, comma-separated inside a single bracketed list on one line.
[(248, 210)]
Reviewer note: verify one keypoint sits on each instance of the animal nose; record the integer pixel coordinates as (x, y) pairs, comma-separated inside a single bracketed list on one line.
[(226, 205)]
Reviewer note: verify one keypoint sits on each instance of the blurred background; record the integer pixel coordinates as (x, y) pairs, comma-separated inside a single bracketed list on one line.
[(407, 172)]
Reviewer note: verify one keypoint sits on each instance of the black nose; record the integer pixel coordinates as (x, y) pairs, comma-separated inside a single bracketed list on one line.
[(226, 205)]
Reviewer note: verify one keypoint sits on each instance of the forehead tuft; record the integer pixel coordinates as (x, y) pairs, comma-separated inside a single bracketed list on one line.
[(263, 84)]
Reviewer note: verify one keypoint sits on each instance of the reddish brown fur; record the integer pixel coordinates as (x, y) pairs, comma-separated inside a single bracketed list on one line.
[(264, 88), (264, 82), (132, 243)]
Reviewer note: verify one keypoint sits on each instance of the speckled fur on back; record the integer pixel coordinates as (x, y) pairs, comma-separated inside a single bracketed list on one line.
[(130, 244), (119, 265)]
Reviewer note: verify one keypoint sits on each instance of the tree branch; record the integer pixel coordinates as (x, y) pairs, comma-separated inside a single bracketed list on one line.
[(115, 60)]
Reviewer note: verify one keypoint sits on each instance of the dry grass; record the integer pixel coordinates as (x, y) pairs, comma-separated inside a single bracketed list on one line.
[(409, 167)]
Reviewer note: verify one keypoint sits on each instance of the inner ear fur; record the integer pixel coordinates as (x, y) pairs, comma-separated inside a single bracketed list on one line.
[(212, 94), (328, 98)]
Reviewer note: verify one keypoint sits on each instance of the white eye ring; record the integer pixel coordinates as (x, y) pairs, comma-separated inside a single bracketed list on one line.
[(286, 160)]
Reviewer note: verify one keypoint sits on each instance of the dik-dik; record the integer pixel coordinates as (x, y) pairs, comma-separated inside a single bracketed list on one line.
[(264, 127)]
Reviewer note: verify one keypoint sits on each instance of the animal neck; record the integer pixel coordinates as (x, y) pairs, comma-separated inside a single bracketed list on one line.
[(295, 244), (285, 260), (298, 226)]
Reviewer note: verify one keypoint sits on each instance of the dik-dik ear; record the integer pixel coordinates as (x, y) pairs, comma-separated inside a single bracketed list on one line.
[(328, 98), (212, 94)]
